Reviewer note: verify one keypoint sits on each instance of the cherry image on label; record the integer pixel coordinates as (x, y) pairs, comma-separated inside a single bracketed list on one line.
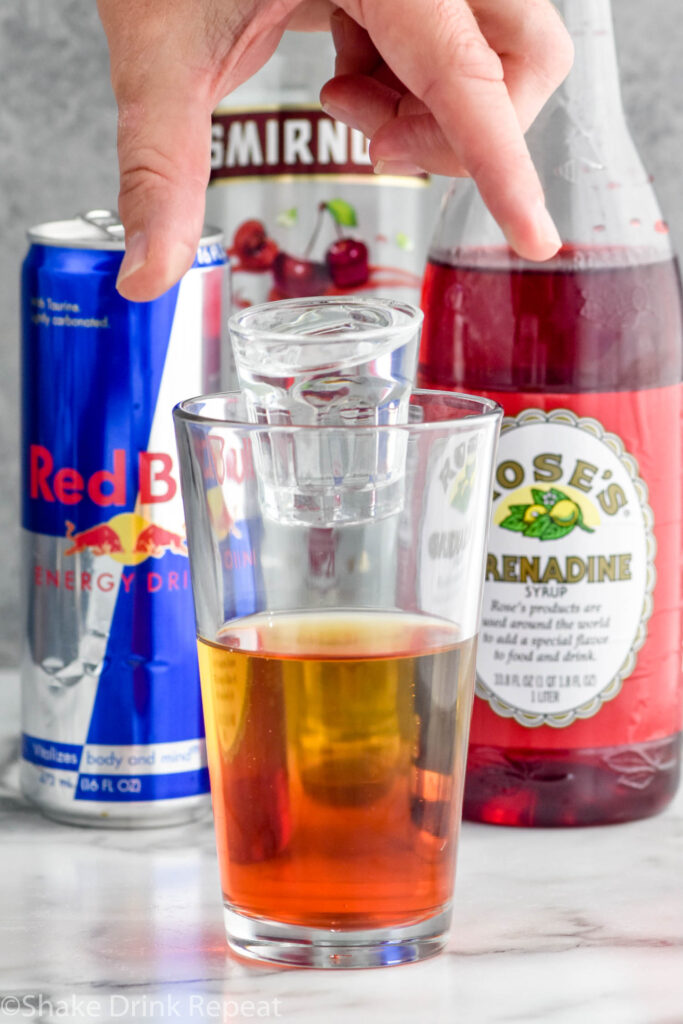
[(347, 262), (346, 259), (295, 278), (603, 343), (344, 266), (253, 247)]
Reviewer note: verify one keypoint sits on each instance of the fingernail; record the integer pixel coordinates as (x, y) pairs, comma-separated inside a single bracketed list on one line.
[(545, 227), (134, 257), (397, 167)]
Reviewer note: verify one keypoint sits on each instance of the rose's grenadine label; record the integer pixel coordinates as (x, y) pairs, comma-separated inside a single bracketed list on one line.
[(581, 607)]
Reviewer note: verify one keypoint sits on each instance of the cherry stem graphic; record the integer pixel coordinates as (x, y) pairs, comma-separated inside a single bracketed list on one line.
[(316, 230)]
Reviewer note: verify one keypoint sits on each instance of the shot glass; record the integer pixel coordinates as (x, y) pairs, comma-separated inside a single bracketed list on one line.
[(333, 362), (337, 670)]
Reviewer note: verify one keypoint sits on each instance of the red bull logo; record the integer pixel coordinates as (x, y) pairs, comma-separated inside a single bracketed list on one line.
[(155, 541), (226, 467), (100, 540), (104, 487), (128, 538), (223, 462)]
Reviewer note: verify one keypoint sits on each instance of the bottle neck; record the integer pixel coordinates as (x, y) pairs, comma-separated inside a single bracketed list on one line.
[(593, 83), (595, 185)]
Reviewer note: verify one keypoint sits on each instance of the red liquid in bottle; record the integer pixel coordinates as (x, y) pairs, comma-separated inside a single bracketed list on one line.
[(593, 340)]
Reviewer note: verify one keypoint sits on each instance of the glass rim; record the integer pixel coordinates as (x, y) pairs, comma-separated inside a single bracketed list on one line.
[(411, 318), (482, 409)]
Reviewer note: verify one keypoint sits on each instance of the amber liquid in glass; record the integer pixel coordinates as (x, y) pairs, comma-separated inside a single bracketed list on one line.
[(337, 743)]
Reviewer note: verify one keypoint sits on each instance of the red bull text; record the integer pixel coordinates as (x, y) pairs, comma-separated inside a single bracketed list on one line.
[(111, 712)]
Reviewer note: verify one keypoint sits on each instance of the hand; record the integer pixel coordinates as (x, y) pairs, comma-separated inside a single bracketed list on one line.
[(466, 80)]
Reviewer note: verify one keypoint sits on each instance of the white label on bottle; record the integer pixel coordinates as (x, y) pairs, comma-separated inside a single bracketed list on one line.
[(570, 570), (304, 214)]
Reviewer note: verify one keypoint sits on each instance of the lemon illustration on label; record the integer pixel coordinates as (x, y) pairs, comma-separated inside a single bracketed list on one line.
[(566, 512), (551, 514), (462, 486), (533, 512)]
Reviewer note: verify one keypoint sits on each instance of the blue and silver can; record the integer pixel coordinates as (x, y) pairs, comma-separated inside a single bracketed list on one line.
[(111, 712)]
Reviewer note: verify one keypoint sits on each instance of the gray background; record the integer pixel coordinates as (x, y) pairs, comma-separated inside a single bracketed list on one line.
[(57, 156)]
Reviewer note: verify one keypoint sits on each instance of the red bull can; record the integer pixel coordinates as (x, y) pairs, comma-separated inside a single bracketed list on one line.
[(111, 713)]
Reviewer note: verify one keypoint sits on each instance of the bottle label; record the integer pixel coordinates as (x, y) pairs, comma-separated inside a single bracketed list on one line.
[(284, 141), (580, 642), (570, 569), (450, 492), (295, 193)]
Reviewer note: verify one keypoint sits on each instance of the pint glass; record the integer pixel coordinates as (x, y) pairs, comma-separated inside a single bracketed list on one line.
[(337, 670)]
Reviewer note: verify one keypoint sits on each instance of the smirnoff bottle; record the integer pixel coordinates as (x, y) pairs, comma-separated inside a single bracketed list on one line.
[(296, 196), (578, 712)]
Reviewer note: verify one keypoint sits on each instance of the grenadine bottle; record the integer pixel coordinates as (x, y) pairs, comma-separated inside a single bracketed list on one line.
[(577, 719)]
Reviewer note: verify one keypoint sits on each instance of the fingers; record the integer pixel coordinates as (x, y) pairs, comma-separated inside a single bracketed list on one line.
[(356, 53), (163, 141), (367, 104), (462, 86), (360, 101), (312, 16), (171, 61), (164, 171), (536, 51)]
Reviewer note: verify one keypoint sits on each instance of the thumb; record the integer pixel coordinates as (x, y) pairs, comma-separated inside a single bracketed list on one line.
[(164, 156), (164, 146)]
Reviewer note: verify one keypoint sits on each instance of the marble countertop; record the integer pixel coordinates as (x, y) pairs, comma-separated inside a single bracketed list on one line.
[(557, 927)]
